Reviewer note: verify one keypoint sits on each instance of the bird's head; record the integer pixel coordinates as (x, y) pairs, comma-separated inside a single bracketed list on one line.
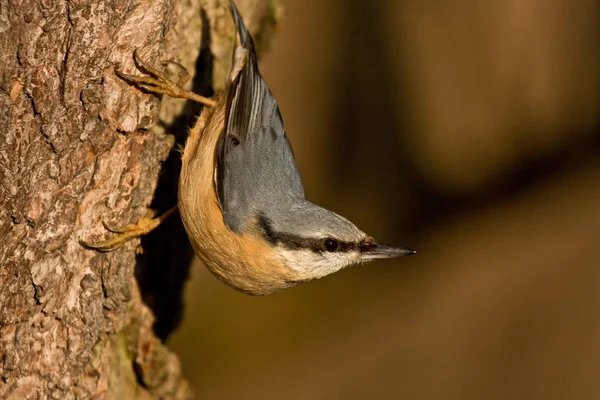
[(315, 242)]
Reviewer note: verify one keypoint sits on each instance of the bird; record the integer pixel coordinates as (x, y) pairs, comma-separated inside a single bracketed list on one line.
[(240, 195)]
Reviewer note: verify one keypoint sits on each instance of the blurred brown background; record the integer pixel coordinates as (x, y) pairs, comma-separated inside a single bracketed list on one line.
[(468, 130)]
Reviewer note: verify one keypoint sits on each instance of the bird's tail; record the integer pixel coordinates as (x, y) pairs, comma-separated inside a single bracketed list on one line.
[(245, 52), (243, 34), (250, 104)]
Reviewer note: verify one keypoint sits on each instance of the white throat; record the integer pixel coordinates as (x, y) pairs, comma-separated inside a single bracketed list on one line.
[(315, 265)]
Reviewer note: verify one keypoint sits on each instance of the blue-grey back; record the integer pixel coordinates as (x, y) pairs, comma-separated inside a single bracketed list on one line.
[(256, 169)]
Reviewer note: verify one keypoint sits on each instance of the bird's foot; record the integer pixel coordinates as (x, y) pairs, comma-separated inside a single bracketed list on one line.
[(156, 82), (144, 226)]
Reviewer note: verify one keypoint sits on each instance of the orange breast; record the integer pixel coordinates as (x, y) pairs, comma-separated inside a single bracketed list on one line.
[(246, 262)]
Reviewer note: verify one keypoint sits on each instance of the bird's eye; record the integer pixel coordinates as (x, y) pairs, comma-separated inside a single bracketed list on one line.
[(331, 245)]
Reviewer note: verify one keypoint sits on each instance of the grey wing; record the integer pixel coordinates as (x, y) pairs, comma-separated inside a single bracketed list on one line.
[(256, 169)]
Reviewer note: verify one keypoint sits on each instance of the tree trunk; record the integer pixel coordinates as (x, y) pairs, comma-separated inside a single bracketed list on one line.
[(79, 146)]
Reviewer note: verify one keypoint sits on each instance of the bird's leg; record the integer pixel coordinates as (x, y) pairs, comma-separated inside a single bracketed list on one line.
[(157, 82), (142, 227)]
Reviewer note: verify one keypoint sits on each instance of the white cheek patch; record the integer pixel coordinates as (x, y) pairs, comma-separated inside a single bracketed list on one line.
[(316, 264)]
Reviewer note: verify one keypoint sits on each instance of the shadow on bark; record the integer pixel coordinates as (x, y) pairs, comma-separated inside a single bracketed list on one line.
[(163, 268)]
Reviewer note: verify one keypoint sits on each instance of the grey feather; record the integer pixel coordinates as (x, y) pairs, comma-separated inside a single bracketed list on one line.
[(304, 219), (255, 163)]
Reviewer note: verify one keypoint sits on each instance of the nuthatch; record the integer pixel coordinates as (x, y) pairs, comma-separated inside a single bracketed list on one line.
[(240, 194)]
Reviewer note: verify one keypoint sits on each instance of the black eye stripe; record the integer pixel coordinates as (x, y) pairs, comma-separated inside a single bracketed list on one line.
[(294, 242)]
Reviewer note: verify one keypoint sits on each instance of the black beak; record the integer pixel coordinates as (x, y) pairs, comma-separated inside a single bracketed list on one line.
[(373, 250)]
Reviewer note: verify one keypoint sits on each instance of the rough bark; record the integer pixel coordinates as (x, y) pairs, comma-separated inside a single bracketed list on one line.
[(79, 146)]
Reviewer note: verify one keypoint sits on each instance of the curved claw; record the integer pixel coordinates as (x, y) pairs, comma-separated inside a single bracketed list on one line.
[(112, 229), (150, 70), (124, 76), (103, 247)]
